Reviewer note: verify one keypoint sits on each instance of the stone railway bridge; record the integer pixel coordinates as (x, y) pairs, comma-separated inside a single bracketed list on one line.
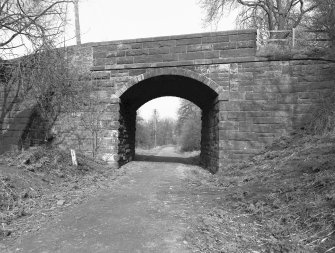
[(246, 100)]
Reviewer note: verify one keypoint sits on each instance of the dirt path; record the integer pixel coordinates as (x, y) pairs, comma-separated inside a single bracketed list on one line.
[(146, 211)]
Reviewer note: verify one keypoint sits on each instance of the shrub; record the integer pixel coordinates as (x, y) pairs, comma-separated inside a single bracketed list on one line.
[(190, 135), (323, 118), (276, 52)]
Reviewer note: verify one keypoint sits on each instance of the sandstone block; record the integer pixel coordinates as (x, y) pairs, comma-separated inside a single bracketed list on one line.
[(230, 106), (148, 59), (228, 125), (191, 56), (190, 41), (215, 39), (237, 116), (136, 45), (200, 47), (225, 46), (157, 44), (160, 50), (179, 49), (125, 60), (260, 96), (212, 54), (170, 57), (243, 37), (246, 44), (136, 52)]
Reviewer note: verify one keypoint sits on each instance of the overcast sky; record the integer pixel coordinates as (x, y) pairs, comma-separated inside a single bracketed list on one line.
[(106, 20)]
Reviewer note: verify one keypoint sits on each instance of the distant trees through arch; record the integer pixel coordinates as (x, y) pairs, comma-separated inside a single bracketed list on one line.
[(183, 131)]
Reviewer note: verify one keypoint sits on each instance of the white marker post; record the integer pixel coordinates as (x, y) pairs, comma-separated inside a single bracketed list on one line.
[(74, 158)]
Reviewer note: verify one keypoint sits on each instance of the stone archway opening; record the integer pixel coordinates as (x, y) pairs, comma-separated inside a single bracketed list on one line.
[(168, 129), (205, 97)]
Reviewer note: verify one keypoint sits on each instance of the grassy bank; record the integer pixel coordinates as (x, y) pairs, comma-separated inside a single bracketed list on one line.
[(281, 200), (37, 184)]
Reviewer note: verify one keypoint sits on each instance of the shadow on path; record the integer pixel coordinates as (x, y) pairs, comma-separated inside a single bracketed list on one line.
[(194, 160)]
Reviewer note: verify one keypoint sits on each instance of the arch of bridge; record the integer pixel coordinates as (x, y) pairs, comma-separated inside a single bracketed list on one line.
[(170, 72)]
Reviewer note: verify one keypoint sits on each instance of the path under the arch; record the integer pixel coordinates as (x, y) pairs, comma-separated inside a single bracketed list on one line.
[(148, 210)]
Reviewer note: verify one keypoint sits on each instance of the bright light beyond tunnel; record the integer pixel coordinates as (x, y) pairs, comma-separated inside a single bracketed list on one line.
[(167, 107), (168, 121)]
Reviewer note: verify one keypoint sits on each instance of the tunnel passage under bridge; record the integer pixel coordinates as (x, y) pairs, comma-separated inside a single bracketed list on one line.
[(196, 91)]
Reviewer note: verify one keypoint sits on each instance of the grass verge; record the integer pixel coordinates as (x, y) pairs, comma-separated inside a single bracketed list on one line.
[(38, 183), (281, 200)]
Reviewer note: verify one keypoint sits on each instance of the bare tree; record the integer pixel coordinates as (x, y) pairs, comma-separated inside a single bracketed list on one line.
[(28, 23), (189, 126), (90, 113), (52, 85), (91, 120), (40, 81), (271, 14), (323, 19), (186, 111)]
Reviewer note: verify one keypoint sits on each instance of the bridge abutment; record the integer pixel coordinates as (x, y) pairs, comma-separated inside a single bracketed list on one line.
[(126, 145)]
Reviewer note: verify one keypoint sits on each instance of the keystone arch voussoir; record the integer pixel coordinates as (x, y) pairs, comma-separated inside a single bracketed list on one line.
[(170, 71)]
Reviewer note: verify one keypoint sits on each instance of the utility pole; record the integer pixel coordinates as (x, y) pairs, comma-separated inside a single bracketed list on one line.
[(155, 127), (77, 23)]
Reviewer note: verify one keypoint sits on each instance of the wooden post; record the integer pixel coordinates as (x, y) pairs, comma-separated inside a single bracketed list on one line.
[(74, 157), (293, 37)]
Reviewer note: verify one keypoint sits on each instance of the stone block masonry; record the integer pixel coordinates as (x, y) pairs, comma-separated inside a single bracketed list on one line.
[(206, 48), (246, 101)]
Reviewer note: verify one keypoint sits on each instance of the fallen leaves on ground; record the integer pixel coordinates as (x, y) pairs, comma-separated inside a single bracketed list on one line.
[(36, 184), (281, 200)]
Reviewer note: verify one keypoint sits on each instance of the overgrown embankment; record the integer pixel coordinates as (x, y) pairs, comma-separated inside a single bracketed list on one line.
[(281, 200), (37, 183)]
